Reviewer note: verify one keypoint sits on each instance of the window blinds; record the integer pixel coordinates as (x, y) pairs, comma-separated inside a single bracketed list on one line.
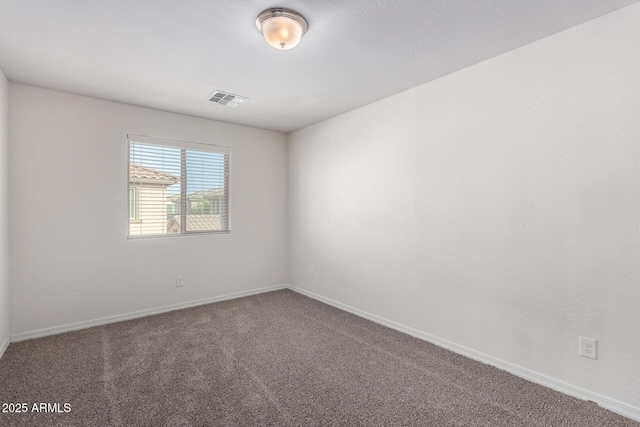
[(177, 187)]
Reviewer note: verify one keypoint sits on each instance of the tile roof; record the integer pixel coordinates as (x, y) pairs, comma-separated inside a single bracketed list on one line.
[(145, 172), (198, 222), (204, 194)]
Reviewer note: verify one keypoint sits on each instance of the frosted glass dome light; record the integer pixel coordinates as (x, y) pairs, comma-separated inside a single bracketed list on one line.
[(281, 28)]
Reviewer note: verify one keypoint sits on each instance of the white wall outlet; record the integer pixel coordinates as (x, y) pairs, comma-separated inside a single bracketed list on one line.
[(313, 273), (179, 281), (588, 347)]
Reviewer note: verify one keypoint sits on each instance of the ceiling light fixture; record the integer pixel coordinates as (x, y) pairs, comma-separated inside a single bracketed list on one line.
[(282, 28)]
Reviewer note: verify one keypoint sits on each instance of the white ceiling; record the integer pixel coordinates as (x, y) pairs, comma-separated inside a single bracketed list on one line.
[(172, 54)]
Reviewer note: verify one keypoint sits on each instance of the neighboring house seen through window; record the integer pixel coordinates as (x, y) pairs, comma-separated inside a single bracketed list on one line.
[(177, 187), (132, 203)]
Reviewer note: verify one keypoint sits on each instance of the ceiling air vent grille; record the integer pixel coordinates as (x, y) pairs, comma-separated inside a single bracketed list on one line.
[(229, 99)]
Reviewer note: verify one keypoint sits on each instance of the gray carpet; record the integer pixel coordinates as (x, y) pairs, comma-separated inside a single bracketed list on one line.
[(276, 359)]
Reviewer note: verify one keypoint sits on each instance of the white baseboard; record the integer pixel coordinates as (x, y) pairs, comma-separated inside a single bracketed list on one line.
[(613, 405), (4, 346), (136, 314)]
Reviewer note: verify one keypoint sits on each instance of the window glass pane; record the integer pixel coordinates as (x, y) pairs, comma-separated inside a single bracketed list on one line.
[(132, 203), (205, 188)]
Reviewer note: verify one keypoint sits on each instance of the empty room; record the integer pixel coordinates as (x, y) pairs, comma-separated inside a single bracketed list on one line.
[(320, 213)]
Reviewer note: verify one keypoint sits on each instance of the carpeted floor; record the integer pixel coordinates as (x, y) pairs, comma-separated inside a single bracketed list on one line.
[(276, 359)]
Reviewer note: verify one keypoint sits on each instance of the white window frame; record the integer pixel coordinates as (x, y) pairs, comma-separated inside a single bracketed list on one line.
[(183, 145)]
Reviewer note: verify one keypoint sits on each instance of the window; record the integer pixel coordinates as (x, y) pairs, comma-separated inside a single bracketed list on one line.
[(132, 203), (177, 187)]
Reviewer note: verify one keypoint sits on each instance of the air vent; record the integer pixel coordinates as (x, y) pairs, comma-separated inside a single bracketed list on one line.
[(229, 99)]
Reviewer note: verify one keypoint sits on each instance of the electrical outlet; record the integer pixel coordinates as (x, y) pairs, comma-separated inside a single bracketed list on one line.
[(179, 281), (588, 347), (313, 273)]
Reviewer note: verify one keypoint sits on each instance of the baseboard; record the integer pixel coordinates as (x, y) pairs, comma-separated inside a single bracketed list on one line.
[(23, 336), (613, 405), (4, 346)]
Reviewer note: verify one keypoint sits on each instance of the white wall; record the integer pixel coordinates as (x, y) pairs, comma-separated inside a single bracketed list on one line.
[(71, 261), (4, 214), (497, 208)]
